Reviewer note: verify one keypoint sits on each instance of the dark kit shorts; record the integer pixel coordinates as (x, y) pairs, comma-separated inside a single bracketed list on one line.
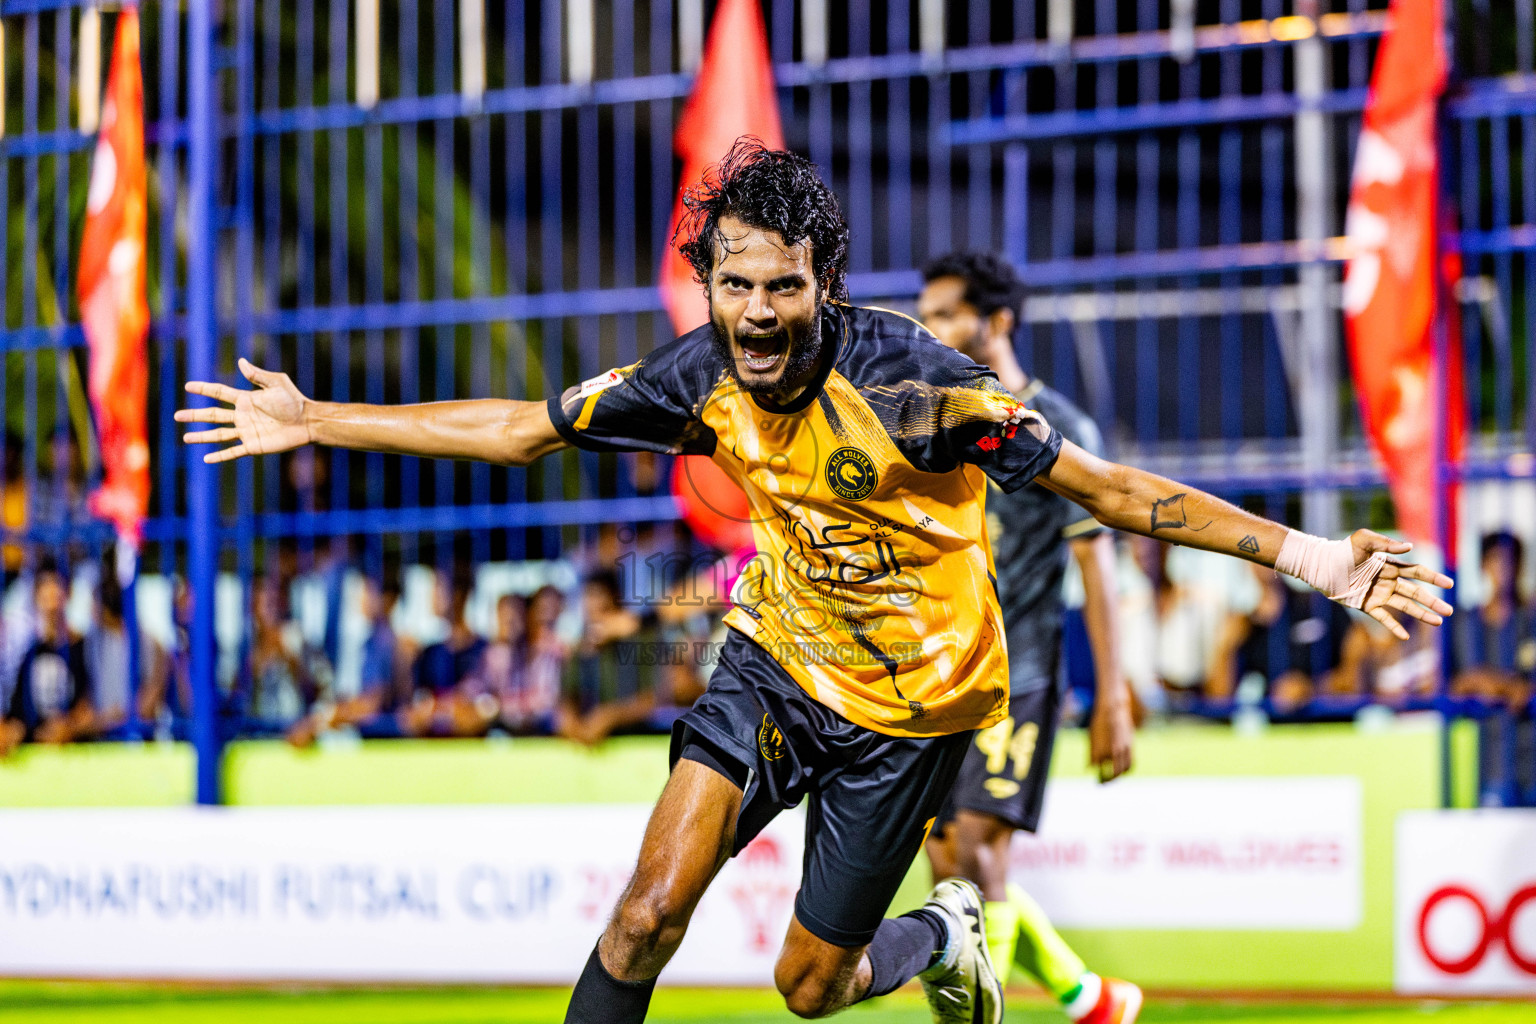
[(1006, 766), (873, 797)]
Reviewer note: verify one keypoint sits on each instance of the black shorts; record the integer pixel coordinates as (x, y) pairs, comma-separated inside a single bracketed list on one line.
[(1006, 766), (873, 797)]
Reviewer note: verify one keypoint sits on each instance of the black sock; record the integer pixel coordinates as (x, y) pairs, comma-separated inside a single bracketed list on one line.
[(904, 947), (600, 998)]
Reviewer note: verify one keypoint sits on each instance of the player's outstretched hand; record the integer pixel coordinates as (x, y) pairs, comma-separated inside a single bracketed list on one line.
[(269, 419), (1398, 585)]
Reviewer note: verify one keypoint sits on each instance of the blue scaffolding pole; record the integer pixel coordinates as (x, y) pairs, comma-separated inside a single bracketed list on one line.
[(202, 340)]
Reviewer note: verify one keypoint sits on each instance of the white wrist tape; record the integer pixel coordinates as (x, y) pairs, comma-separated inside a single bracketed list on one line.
[(1329, 566)]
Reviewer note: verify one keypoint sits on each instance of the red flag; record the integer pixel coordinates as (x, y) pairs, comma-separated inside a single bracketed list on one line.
[(113, 307), (733, 96), (1391, 296)]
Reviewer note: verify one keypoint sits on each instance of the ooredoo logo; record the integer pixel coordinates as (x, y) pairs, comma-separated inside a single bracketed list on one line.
[(1495, 926)]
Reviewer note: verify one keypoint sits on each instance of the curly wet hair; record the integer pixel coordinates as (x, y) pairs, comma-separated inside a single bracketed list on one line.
[(773, 190)]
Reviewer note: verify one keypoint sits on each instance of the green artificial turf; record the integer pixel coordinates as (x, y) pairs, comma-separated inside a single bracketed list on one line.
[(109, 1003)]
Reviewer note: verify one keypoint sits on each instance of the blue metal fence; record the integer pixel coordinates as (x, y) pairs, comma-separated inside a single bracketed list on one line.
[(406, 200)]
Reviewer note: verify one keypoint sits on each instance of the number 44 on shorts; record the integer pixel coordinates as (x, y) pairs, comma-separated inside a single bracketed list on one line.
[(1002, 744)]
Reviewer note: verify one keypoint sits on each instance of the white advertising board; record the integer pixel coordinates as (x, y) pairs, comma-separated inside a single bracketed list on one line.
[(519, 894), (1466, 902), (507, 894), (1199, 853)]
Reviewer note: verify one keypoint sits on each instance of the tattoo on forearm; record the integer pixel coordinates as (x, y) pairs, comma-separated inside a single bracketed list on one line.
[(1249, 545), (1168, 514)]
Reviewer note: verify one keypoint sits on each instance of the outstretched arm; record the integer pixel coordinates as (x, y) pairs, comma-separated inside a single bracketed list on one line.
[(277, 417), (1357, 572)]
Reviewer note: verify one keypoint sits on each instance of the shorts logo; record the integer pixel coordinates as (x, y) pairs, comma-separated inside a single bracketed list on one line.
[(851, 474), (770, 742), (1001, 789)]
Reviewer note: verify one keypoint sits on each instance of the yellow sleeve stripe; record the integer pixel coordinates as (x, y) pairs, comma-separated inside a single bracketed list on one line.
[(1081, 527), (587, 408)]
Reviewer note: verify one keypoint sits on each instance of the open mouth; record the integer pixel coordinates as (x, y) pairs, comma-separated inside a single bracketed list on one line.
[(760, 353)]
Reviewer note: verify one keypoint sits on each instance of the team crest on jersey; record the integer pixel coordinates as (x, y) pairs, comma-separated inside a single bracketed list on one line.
[(770, 741), (851, 474)]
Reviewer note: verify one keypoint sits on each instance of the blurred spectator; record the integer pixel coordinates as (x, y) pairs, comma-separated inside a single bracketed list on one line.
[(494, 686), (1169, 631), (385, 680), (165, 701), (544, 653), (521, 702), (610, 683), (441, 705), (282, 677), (1495, 648), (51, 702), (1376, 665), (1290, 642), (383, 704), (106, 655), (1494, 655), (442, 666), (381, 662)]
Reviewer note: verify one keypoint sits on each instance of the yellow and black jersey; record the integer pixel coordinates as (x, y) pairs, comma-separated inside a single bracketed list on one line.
[(873, 581)]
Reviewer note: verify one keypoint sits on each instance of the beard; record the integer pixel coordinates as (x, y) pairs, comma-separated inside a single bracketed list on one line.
[(974, 348), (804, 355)]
